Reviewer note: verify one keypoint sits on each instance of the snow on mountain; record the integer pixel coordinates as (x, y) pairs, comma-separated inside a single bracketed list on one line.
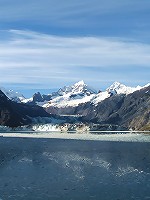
[(76, 89), (27, 100), (81, 93), (100, 97), (118, 88), (12, 95), (75, 95), (65, 100), (72, 95)]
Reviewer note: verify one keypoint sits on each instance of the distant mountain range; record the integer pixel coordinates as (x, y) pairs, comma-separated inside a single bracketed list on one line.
[(118, 105)]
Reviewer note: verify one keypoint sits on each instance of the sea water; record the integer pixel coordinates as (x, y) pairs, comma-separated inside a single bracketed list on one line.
[(109, 167)]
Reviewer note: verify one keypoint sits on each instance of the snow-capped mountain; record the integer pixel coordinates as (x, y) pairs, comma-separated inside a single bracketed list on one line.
[(78, 93), (72, 95), (119, 88), (119, 105), (12, 95), (79, 88), (81, 93)]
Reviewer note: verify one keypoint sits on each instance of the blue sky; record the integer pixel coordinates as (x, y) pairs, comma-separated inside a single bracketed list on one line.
[(47, 44)]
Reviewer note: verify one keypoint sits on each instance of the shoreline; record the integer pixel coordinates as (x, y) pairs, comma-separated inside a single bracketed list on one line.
[(128, 137)]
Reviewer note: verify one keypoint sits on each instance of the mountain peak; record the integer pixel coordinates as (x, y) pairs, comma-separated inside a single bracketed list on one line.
[(116, 85), (82, 87), (77, 88), (119, 88), (80, 83)]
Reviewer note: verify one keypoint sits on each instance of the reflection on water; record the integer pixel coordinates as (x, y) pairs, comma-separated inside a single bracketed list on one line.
[(68, 169)]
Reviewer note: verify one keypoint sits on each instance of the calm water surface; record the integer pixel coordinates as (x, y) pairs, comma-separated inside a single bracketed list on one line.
[(50, 169)]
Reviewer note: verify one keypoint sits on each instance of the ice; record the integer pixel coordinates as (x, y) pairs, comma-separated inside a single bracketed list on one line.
[(120, 88), (4, 128), (128, 137)]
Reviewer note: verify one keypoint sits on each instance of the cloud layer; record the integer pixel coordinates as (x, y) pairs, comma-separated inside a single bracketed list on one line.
[(50, 61)]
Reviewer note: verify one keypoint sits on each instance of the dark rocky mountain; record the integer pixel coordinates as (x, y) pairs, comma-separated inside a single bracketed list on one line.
[(15, 114), (37, 97), (130, 111)]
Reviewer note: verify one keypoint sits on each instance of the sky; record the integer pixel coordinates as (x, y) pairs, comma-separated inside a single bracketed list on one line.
[(46, 44)]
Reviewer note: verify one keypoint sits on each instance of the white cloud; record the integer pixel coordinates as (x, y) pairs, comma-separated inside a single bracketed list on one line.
[(30, 57)]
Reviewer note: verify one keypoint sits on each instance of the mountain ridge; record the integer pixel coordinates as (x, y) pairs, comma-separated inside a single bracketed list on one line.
[(80, 88), (118, 105)]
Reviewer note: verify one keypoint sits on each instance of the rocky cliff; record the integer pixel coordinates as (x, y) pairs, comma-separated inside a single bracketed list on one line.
[(15, 114)]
